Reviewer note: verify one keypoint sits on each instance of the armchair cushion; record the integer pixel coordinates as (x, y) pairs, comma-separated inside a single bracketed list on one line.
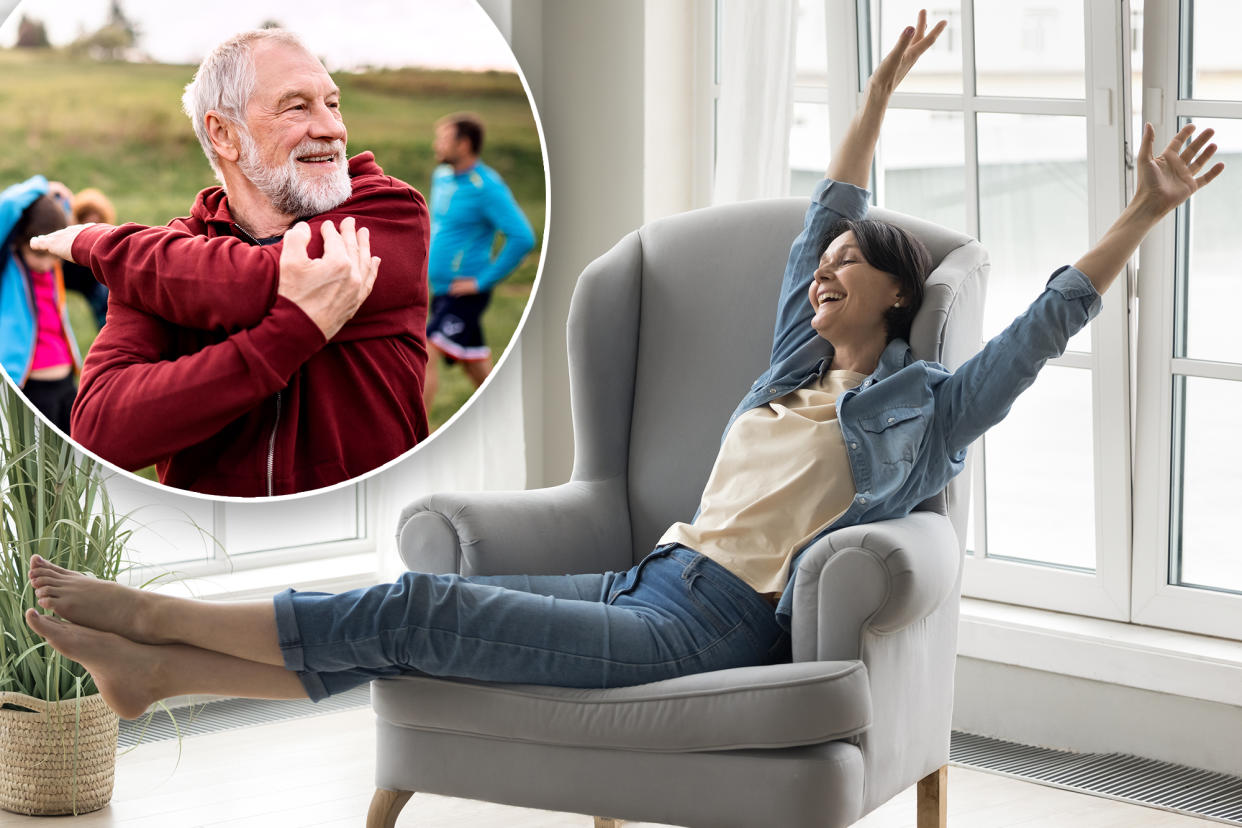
[(875, 577), (775, 706), (578, 526)]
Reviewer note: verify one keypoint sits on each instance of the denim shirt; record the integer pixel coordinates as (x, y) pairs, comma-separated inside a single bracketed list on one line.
[(908, 425)]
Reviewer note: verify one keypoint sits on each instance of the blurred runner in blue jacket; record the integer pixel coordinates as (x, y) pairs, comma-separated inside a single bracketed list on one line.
[(470, 204)]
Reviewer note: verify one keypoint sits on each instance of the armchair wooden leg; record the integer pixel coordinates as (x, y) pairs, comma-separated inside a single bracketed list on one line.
[(385, 806), (933, 799), (605, 822)]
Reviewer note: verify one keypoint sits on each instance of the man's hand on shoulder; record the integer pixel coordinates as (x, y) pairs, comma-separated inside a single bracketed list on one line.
[(464, 286), (60, 243), (330, 289)]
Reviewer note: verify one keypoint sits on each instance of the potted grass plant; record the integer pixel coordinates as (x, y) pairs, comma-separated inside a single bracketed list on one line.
[(57, 737)]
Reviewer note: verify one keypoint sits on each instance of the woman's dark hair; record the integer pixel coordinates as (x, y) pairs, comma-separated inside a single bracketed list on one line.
[(888, 248), (43, 216)]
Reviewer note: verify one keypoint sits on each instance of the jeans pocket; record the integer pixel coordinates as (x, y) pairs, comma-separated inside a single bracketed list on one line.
[(712, 604)]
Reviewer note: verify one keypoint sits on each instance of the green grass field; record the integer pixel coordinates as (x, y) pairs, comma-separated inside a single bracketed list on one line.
[(119, 127)]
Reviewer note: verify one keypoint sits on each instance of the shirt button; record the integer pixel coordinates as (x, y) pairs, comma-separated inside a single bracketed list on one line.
[(892, 419), (862, 499), (854, 446)]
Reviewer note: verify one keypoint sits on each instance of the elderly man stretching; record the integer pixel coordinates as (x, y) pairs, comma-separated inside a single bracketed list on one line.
[(246, 352)]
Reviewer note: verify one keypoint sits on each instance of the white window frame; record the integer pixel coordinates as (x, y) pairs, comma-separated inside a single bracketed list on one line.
[(206, 560), (1157, 602), (1104, 593)]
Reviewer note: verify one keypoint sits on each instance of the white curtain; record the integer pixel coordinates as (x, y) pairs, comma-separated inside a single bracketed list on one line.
[(756, 99)]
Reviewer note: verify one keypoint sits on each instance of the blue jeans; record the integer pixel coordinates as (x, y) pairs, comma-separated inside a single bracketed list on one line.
[(674, 613)]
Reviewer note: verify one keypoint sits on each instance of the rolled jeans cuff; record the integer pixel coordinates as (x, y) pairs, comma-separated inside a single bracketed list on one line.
[(289, 638)]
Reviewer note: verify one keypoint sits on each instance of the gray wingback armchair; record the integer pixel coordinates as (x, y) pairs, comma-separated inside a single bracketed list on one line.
[(666, 331)]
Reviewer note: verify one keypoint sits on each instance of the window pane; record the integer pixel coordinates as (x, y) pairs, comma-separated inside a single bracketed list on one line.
[(940, 69), (169, 529), (809, 148), (255, 527), (1210, 288), (1211, 478), (1137, 89), (1040, 474), (1215, 70), (1032, 208), (1030, 48), (811, 51), (922, 171)]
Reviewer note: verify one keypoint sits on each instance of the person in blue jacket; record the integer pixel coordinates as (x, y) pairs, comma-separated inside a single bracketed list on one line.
[(845, 427), (37, 347), (470, 205)]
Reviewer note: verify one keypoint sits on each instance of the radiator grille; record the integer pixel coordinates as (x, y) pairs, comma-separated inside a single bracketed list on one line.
[(1117, 776), (228, 714)]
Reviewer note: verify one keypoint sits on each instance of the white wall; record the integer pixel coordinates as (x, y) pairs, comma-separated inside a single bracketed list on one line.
[(614, 86), (579, 60)]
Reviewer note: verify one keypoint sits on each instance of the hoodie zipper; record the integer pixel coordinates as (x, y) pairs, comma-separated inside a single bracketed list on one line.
[(271, 450), (271, 440)]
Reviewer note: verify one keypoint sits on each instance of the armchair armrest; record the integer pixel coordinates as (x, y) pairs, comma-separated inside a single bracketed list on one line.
[(878, 577), (576, 527)]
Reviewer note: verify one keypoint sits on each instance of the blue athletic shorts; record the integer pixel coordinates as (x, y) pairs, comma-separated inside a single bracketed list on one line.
[(453, 326)]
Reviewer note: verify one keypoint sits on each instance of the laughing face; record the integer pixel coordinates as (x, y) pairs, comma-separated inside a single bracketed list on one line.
[(849, 296), (294, 148)]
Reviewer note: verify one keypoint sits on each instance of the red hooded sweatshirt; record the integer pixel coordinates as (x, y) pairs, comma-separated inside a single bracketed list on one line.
[(230, 389)]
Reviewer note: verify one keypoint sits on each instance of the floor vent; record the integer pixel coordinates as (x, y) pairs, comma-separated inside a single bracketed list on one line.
[(1117, 776), (227, 714)]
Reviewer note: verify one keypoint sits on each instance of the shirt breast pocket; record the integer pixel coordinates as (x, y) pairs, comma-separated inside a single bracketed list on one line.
[(896, 433)]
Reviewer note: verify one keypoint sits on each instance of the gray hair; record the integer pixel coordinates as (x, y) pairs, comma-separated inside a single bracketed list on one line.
[(225, 81)]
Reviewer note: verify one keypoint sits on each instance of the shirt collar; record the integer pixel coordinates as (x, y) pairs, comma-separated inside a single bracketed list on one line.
[(896, 356)]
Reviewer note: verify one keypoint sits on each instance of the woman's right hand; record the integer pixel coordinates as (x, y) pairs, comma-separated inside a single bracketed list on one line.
[(913, 42), (851, 163)]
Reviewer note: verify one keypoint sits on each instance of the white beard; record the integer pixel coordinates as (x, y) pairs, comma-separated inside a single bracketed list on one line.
[(283, 184)]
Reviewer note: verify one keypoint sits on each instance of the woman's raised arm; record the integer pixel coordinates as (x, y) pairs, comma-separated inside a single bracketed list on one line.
[(851, 163), (1164, 182)]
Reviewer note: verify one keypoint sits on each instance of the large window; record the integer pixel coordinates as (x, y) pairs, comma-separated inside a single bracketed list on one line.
[(1019, 128)]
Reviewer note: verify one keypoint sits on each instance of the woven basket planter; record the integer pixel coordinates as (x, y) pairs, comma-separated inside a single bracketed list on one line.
[(58, 760)]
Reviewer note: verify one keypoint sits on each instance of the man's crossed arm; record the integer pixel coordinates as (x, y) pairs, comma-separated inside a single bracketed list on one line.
[(173, 275), (136, 406), (224, 283)]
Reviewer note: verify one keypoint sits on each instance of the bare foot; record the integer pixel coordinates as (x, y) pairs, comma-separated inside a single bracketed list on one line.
[(124, 672), (91, 602)]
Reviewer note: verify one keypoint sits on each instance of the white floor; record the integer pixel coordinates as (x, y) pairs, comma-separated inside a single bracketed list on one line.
[(319, 772)]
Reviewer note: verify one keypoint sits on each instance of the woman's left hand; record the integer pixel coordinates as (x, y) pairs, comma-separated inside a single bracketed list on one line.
[(1168, 179), (1164, 182)]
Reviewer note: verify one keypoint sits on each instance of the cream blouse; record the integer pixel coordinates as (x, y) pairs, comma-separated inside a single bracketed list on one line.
[(781, 477)]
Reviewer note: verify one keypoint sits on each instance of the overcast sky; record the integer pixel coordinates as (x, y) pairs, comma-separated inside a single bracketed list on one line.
[(346, 33)]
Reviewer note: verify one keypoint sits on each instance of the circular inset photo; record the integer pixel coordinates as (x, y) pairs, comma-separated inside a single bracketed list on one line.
[(263, 250)]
